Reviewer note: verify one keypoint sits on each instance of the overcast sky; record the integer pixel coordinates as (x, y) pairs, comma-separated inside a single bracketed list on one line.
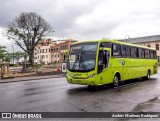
[(88, 19)]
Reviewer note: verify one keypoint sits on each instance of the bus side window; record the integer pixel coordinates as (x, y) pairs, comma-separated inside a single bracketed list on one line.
[(151, 54), (133, 53), (128, 51), (123, 48), (141, 52), (136, 53), (116, 50), (125, 51), (154, 54), (147, 55)]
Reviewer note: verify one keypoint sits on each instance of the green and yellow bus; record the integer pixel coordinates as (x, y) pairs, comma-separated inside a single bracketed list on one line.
[(101, 62)]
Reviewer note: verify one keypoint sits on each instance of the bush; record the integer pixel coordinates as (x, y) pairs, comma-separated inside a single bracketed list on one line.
[(16, 65)]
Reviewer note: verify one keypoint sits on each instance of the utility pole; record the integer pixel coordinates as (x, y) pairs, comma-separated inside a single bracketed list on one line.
[(127, 38), (13, 59)]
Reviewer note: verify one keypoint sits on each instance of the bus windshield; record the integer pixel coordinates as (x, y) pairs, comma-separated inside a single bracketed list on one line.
[(83, 57)]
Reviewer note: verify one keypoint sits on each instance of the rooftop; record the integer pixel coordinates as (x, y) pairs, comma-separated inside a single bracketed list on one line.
[(142, 39)]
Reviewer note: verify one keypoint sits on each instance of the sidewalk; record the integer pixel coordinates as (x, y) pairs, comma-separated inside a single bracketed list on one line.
[(18, 79)]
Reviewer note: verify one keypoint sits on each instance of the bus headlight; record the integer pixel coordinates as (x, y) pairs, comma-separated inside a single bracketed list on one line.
[(92, 75), (68, 75)]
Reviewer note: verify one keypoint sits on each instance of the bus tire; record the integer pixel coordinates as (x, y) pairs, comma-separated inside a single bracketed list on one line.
[(116, 80)]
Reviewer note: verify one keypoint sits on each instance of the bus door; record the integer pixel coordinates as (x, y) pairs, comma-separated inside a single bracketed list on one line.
[(103, 62)]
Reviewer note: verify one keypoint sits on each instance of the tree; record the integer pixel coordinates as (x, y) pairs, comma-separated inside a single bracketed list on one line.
[(27, 30), (3, 53), (17, 55)]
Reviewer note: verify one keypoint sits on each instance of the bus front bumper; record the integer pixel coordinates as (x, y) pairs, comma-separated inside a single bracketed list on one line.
[(81, 81)]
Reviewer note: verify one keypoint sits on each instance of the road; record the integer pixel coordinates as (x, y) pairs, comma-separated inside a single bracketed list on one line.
[(56, 95)]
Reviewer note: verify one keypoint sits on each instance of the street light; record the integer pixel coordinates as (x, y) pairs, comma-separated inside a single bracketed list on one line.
[(127, 38)]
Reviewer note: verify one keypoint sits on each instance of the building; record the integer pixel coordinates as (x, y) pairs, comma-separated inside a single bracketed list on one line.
[(149, 41), (42, 51), (50, 51), (57, 51)]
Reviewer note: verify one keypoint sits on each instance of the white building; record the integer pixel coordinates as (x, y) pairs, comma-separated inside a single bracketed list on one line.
[(43, 52), (49, 51)]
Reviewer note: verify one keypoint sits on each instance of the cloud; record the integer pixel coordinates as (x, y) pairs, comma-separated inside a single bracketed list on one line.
[(90, 19)]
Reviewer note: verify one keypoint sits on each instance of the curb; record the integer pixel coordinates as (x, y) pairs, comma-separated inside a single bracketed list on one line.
[(1, 82)]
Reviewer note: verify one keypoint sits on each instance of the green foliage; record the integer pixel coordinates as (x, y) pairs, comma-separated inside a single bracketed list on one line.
[(16, 65), (4, 54), (17, 55), (42, 62), (38, 65)]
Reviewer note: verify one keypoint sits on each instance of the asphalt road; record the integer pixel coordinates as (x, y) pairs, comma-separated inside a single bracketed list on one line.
[(56, 95)]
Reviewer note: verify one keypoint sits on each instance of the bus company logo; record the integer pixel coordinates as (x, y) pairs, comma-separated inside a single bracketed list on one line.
[(6, 115), (122, 62)]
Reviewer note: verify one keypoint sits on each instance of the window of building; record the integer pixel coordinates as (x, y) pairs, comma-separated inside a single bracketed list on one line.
[(157, 46), (148, 45), (116, 50)]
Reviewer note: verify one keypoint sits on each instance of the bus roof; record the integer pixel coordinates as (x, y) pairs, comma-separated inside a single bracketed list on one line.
[(114, 41)]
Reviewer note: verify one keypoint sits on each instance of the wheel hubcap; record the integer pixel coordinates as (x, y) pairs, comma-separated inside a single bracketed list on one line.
[(116, 81)]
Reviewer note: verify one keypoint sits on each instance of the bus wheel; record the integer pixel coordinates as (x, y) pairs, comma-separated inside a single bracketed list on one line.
[(116, 80)]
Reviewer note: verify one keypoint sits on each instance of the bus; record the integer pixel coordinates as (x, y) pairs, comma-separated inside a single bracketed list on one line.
[(101, 62)]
